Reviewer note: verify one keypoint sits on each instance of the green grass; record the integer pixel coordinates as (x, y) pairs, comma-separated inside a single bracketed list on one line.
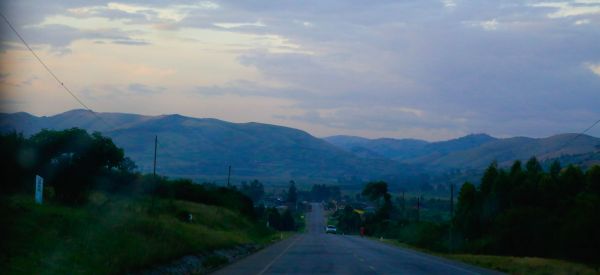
[(510, 264), (525, 265), (114, 234)]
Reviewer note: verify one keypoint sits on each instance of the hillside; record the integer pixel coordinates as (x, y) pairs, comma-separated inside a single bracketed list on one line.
[(474, 151), (203, 148), (115, 234)]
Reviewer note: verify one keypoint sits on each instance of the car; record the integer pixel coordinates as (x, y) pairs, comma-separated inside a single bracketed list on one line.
[(330, 229)]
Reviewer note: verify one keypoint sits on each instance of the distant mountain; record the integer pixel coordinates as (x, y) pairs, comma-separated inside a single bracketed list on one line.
[(505, 151), (474, 151), (203, 148), (408, 149), (396, 149)]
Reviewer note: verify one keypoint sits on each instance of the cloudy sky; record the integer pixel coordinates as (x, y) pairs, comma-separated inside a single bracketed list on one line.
[(422, 69)]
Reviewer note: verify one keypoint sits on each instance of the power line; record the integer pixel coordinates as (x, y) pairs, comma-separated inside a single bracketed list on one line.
[(62, 84), (578, 135)]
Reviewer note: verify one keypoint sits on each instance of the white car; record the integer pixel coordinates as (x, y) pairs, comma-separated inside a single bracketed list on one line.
[(330, 229)]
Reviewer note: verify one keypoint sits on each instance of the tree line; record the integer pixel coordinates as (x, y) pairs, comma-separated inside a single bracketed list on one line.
[(527, 211), (521, 211), (73, 163)]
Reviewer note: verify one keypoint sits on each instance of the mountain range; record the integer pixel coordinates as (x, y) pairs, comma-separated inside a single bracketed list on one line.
[(473, 151), (203, 149)]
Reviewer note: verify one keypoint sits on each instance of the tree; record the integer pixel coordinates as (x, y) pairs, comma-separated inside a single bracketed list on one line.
[(71, 160), (375, 190), (292, 194), (487, 181), (592, 178), (555, 169), (255, 190), (378, 192), (273, 218), (16, 161), (571, 180), (466, 218), (348, 220), (287, 221)]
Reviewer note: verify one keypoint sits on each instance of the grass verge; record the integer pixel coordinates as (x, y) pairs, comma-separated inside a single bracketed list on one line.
[(510, 264), (114, 234)]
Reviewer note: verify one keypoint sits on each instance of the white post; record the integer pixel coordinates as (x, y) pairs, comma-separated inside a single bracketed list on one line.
[(39, 189)]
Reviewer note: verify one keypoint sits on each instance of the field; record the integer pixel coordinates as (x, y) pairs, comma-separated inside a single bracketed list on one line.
[(114, 234)]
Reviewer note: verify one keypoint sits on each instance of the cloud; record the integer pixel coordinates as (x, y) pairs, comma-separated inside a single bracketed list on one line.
[(570, 9), (449, 3), (582, 22), (424, 67), (244, 88), (488, 25), (59, 37), (108, 92), (144, 89), (595, 68)]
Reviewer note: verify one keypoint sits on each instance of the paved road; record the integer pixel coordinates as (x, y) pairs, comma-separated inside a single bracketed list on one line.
[(315, 252)]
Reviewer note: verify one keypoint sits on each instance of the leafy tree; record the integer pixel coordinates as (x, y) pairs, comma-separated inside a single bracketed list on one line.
[(378, 192), (375, 190), (16, 162), (71, 160), (348, 220)]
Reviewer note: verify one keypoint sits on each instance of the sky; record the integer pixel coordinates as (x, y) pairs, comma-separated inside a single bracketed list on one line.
[(431, 70)]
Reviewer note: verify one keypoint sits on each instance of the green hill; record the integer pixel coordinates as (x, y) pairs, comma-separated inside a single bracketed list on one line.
[(474, 151), (202, 149)]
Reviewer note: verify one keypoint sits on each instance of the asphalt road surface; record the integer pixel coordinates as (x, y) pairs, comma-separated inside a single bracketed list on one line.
[(315, 252)]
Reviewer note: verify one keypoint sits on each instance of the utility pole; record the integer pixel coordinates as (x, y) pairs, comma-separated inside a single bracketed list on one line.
[(229, 176), (155, 146)]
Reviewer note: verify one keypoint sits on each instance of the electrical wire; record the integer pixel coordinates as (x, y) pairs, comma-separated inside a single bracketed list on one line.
[(60, 82)]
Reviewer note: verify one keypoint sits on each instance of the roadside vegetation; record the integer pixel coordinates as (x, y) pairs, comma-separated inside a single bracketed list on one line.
[(100, 216), (520, 212), (510, 264)]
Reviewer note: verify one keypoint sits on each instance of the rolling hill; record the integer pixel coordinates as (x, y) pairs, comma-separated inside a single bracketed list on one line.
[(203, 149), (474, 151)]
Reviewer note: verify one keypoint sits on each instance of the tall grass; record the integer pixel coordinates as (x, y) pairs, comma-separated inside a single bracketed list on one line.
[(114, 234)]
